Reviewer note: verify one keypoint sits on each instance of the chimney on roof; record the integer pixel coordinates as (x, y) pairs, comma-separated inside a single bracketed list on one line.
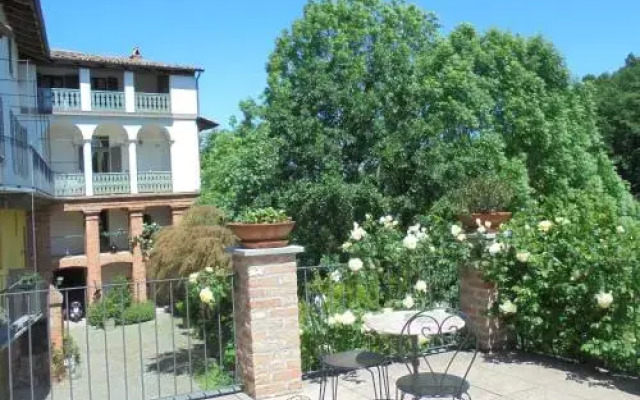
[(135, 53)]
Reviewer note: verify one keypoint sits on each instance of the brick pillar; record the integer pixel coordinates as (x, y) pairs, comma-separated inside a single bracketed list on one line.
[(176, 214), (138, 269), (476, 298), (56, 323), (92, 251), (266, 316)]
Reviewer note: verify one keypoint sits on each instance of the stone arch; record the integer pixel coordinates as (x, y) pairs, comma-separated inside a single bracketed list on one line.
[(154, 149), (109, 150), (65, 143)]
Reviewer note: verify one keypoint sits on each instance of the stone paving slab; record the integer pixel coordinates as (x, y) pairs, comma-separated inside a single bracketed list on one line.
[(509, 377)]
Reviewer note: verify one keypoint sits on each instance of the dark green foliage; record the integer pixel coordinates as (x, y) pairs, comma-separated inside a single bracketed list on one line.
[(618, 105), (483, 194)]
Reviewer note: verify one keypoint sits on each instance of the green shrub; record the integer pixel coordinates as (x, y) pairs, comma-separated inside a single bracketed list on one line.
[(69, 351), (137, 312), (97, 314), (267, 215)]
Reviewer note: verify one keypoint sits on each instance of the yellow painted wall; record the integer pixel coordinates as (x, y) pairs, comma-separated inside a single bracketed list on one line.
[(13, 233)]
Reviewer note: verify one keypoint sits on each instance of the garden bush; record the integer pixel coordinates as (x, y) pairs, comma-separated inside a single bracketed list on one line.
[(569, 277), (137, 312), (70, 352)]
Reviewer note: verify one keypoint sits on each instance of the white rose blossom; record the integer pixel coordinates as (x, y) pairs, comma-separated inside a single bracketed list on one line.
[(456, 230), (336, 276), (206, 296), (544, 226), (523, 256), (620, 229), (193, 278), (358, 233), (410, 242), (209, 269), (508, 307), (355, 264), (421, 286), (408, 302), (604, 299), (331, 321), (346, 246), (461, 237), (347, 318), (482, 229), (495, 248), (487, 224)]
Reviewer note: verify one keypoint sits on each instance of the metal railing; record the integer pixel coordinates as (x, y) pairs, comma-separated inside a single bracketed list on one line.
[(116, 240), (153, 102), (168, 345), (155, 182), (22, 304), (104, 100), (111, 183), (69, 184)]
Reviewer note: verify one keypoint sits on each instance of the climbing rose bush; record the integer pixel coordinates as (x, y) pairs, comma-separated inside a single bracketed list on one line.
[(569, 279)]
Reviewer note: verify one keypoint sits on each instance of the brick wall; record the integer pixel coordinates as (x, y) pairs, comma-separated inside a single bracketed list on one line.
[(266, 315), (476, 297)]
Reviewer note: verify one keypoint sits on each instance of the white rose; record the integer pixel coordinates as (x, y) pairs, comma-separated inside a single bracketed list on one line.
[(421, 286), (346, 246), (355, 264), (357, 233), (348, 318), (482, 229), (367, 216), (478, 222), (193, 278), (388, 219), (410, 242), (382, 220), (408, 302), (487, 224), (209, 270), (413, 229), (620, 229), (432, 249), (523, 256), (461, 237), (455, 230), (331, 321), (336, 276), (495, 248), (604, 299), (545, 225), (206, 296), (508, 307)]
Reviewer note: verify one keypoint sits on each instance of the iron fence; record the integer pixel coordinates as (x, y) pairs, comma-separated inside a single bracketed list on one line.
[(122, 340)]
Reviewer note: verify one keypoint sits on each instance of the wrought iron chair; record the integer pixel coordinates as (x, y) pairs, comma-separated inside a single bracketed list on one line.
[(333, 364), (428, 333)]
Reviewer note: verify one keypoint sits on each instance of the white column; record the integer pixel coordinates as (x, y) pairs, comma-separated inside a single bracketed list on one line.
[(88, 167), (133, 165), (85, 89), (129, 92)]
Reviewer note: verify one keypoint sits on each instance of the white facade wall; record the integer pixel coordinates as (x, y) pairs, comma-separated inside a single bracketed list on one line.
[(185, 157), (184, 94)]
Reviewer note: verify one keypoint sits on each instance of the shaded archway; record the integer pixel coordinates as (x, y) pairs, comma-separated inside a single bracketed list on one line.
[(154, 159), (65, 143), (109, 151)]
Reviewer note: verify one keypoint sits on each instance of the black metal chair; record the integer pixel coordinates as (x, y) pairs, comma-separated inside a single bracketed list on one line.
[(428, 333), (333, 364)]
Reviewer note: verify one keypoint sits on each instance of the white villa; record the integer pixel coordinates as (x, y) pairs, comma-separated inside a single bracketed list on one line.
[(90, 148)]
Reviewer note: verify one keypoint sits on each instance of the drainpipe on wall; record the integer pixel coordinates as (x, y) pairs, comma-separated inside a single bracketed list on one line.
[(198, 73)]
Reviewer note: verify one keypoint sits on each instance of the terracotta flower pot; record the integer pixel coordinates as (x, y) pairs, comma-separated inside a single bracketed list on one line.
[(260, 236), (496, 218)]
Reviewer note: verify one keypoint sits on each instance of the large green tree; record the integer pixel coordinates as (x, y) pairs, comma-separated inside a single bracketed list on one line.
[(369, 108), (618, 102)]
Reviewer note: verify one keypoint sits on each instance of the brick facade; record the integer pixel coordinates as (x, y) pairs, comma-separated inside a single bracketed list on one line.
[(56, 322), (92, 251), (138, 268), (476, 298), (266, 315)]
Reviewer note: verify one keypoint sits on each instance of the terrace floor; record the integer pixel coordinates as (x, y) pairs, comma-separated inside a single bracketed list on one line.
[(509, 376)]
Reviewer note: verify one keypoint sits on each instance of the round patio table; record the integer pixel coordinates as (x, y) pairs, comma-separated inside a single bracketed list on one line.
[(430, 323)]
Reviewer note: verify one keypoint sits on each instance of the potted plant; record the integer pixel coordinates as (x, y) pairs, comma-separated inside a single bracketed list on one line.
[(261, 228), (485, 200)]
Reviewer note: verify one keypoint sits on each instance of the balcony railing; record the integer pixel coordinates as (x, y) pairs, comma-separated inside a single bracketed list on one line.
[(154, 182), (111, 183), (65, 99), (107, 101), (153, 102), (113, 241), (71, 184), (67, 245)]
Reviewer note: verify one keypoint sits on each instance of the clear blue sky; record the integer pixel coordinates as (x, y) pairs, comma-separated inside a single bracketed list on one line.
[(232, 39)]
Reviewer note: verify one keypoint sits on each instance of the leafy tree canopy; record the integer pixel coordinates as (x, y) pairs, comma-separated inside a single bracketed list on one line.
[(369, 108), (618, 104)]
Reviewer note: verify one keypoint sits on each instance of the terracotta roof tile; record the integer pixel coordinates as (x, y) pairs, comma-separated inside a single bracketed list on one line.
[(76, 57)]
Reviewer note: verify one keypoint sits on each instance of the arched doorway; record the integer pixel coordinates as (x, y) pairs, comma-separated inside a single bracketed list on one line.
[(154, 159), (65, 142), (71, 282), (110, 161)]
